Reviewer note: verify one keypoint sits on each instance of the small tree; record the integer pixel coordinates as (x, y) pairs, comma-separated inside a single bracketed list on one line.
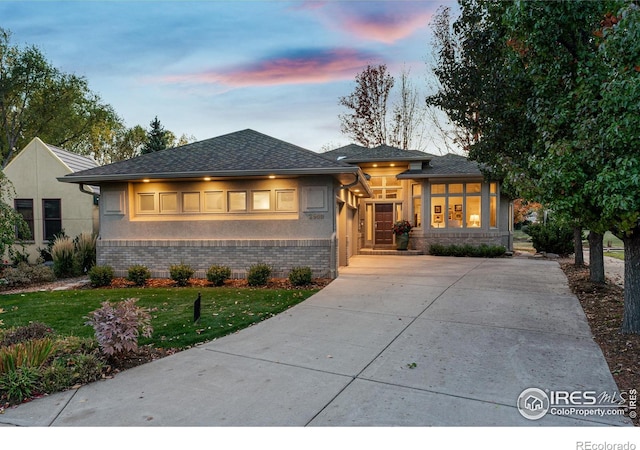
[(10, 221)]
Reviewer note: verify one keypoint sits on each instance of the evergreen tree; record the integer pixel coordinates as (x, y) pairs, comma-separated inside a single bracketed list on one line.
[(157, 137)]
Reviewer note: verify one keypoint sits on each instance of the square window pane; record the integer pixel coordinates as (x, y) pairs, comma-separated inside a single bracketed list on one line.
[(237, 201), (146, 203), (168, 202), (455, 188), (191, 202), (261, 200), (416, 190), (438, 189), (52, 209), (285, 200), (213, 201)]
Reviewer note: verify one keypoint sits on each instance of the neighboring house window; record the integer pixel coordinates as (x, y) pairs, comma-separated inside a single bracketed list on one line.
[(285, 200), (24, 207), (52, 212), (456, 205), (416, 190)]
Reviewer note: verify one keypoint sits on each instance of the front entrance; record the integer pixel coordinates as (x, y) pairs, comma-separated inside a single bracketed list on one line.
[(383, 224)]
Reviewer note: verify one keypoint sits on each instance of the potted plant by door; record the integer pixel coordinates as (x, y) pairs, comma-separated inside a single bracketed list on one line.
[(401, 229)]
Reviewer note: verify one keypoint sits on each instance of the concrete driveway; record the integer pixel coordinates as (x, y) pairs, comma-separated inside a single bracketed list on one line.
[(394, 341)]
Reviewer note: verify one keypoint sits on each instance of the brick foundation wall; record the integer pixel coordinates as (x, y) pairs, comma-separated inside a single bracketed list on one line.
[(239, 255)]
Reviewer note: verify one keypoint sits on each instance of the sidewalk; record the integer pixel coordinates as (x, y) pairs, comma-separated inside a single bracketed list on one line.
[(394, 341)]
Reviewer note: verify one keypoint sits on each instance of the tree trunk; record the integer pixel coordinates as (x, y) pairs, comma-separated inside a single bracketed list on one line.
[(577, 246), (596, 257), (631, 318)]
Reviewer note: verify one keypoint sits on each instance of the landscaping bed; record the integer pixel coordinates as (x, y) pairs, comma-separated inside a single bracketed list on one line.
[(603, 306)]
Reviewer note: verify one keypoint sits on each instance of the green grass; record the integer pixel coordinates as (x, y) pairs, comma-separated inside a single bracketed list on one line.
[(617, 255), (223, 310)]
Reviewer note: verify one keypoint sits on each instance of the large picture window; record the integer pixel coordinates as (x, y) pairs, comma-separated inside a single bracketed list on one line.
[(52, 214), (456, 205), (24, 207)]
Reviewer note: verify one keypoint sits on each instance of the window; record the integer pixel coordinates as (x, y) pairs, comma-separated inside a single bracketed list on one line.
[(52, 218), (147, 203), (169, 202), (191, 202), (493, 205), (24, 207), (237, 201), (416, 191), (285, 200), (386, 187), (214, 201), (261, 200), (456, 205)]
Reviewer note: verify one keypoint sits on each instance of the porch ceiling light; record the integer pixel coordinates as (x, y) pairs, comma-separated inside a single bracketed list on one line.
[(146, 180), (207, 178), (271, 177)]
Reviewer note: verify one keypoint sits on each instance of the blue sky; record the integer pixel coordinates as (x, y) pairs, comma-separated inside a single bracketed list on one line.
[(207, 68)]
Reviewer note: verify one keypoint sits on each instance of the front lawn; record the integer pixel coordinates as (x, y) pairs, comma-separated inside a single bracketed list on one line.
[(223, 310)]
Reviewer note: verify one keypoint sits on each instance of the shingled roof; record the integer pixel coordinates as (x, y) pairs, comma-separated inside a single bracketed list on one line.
[(243, 153), (354, 153), (445, 166)]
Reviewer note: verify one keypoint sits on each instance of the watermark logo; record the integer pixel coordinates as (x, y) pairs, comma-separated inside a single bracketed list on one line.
[(534, 403)]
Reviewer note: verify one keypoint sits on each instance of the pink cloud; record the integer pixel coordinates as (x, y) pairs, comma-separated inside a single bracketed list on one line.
[(304, 67), (386, 22), (386, 29)]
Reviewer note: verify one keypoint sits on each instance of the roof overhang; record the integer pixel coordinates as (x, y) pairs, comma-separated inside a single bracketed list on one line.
[(422, 176), (178, 176)]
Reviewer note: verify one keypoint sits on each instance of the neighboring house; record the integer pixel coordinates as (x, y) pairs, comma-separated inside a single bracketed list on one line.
[(47, 205), (245, 198)]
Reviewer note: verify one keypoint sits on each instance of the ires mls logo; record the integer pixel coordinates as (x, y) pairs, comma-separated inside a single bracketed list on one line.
[(534, 403)]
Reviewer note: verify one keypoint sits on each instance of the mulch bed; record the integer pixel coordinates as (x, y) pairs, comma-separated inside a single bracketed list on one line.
[(274, 283), (603, 305)]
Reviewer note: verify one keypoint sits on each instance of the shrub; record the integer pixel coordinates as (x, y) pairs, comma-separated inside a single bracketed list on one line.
[(85, 252), (118, 326), (101, 276), (35, 330), (218, 275), (300, 276), (62, 252), (181, 273), (482, 251), (551, 238), (138, 274), (24, 274), (259, 274)]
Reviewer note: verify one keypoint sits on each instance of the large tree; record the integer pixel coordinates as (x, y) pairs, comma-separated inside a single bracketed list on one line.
[(36, 99), (575, 70)]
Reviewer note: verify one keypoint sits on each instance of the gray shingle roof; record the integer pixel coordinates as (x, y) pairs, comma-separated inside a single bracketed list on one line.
[(446, 165), (74, 161), (354, 153), (243, 153)]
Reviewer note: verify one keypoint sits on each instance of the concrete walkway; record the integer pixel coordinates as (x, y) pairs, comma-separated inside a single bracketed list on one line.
[(394, 341)]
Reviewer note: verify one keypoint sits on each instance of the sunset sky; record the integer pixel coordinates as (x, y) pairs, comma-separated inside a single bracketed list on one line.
[(207, 68)]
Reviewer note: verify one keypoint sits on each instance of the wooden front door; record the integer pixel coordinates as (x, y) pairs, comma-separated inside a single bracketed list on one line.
[(383, 224)]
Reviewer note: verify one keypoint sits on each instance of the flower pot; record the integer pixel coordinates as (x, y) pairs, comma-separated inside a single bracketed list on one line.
[(402, 241)]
